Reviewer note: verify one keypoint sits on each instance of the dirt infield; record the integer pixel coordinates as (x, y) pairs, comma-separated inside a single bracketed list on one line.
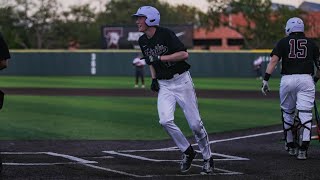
[(249, 154), (245, 154)]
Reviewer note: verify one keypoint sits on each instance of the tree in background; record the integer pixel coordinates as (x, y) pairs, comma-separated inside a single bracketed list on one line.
[(118, 12), (264, 23), (43, 24)]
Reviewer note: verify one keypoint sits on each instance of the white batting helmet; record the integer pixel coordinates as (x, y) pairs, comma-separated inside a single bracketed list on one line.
[(151, 13), (294, 24)]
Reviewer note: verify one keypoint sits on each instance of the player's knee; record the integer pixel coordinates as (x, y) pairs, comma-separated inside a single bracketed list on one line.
[(165, 123), (305, 116), (196, 128)]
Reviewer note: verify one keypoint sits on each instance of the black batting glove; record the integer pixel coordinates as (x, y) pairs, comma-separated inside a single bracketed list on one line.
[(155, 85), (151, 59)]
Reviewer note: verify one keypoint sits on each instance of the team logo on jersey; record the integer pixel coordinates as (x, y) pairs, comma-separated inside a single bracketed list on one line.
[(157, 50)]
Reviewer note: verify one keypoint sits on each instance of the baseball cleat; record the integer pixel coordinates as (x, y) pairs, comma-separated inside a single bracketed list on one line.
[(186, 161), (208, 166), (302, 155), (292, 151)]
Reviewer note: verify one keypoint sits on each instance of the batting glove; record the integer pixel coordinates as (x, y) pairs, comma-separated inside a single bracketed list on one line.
[(155, 85), (265, 87), (150, 59)]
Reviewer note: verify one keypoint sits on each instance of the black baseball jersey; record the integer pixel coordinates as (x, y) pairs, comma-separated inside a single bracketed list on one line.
[(299, 54), (4, 51), (164, 42)]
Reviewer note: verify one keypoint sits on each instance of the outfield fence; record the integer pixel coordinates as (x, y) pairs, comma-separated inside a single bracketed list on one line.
[(119, 63)]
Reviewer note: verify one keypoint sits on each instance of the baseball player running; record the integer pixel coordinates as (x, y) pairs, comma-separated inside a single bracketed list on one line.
[(166, 56), (299, 54), (4, 56)]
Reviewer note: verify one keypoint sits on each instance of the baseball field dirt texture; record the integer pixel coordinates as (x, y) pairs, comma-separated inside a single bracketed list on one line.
[(257, 153)]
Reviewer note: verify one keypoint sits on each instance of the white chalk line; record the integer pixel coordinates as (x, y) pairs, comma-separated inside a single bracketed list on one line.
[(75, 160), (72, 158), (235, 158), (39, 164), (227, 157), (87, 163)]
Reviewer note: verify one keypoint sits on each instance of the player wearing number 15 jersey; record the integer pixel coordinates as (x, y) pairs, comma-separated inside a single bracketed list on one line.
[(299, 55)]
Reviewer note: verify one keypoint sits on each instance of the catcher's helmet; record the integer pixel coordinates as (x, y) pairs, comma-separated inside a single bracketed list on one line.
[(151, 13), (294, 24)]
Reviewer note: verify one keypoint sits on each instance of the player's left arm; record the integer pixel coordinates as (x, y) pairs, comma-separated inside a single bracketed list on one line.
[(175, 45)]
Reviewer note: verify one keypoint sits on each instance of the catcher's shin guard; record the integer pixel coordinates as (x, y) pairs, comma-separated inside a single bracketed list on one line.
[(305, 117), (289, 130)]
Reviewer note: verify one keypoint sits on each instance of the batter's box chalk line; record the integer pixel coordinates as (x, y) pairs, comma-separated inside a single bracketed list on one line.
[(124, 153)]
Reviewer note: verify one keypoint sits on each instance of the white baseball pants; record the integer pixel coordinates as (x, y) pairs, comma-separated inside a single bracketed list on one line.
[(180, 90), (297, 91)]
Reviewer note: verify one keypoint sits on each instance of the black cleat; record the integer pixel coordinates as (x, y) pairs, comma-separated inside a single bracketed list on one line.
[(187, 160), (208, 166)]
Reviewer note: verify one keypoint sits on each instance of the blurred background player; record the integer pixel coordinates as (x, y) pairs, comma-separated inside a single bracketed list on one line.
[(139, 70), (166, 56), (299, 55), (4, 56), (257, 67)]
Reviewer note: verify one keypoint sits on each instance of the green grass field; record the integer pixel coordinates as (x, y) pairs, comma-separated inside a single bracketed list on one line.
[(114, 118), (127, 82)]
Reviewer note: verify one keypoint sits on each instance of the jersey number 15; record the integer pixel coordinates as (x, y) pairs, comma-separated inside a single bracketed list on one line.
[(298, 48)]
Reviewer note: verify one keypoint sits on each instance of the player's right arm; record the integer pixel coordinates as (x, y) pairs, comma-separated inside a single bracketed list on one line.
[(272, 64)]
